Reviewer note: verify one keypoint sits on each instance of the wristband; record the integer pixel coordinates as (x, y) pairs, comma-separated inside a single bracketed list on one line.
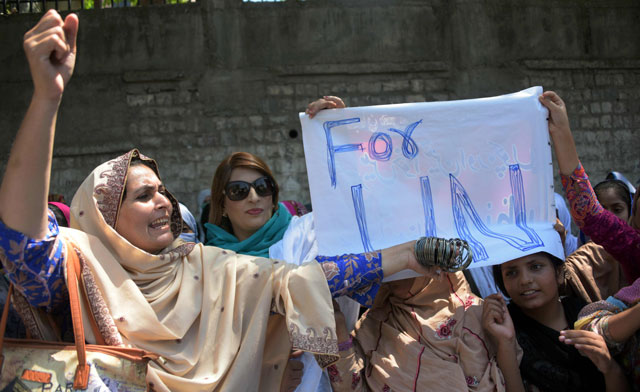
[(344, 346)]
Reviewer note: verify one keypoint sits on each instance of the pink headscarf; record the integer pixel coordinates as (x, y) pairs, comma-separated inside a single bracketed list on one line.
[(64, 208)]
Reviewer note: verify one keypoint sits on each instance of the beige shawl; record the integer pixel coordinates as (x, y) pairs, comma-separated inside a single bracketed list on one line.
[(592, 274), (424, 335), (204, 310)]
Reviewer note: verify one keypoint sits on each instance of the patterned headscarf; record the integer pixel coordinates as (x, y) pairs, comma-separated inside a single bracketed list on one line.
[(109, 194)]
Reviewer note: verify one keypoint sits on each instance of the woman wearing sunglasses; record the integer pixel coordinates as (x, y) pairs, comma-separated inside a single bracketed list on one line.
[(245, 215)]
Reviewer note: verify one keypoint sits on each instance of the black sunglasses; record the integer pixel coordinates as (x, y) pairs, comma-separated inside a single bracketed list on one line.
[(239, 190)]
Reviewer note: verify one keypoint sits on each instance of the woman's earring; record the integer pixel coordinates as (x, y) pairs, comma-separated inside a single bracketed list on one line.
[(224, 215)]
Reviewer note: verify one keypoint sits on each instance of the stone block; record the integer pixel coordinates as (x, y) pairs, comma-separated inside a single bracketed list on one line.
[(415, 98), (582, 80), (163, 111), (307, 89), (255, 121), (369, 87), (185, 97), (589, 122), (163, 99), (582, 109), (417, 85), (618, 80), (603, 79), (563, 81), (139, 99), (281, 119), (440, 97), (433, 85), (283, 89), (395, 86)]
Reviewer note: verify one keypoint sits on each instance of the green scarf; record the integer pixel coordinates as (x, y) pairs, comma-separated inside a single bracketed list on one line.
[(256, 245)]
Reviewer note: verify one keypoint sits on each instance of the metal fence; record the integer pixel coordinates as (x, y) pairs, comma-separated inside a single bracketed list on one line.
[(38, 6)]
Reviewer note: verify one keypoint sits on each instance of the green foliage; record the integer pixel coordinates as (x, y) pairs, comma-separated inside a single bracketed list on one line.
[(91, 4)]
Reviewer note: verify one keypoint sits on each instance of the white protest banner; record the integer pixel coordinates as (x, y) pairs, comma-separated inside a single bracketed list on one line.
[(477, 169)]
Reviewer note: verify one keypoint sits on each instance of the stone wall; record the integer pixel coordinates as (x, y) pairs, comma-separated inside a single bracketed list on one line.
[(189, 84)]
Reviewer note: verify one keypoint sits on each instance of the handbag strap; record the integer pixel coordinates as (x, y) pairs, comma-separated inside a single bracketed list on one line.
[(3, 323), (94, 325), (81, 379)]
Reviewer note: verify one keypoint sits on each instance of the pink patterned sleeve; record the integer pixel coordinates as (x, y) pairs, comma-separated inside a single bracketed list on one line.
[(615, 235)]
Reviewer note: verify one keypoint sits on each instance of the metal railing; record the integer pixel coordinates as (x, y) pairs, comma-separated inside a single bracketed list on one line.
[(39, 6)]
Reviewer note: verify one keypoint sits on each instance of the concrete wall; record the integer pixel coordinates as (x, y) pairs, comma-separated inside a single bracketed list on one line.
[(189, 84)]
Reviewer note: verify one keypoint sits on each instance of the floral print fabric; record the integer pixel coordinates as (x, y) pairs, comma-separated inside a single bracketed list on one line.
[(355, 275), (35, 266), (615, 235)]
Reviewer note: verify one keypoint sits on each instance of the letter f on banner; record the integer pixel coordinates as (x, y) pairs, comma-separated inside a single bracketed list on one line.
[(461, 203), (332, 150)]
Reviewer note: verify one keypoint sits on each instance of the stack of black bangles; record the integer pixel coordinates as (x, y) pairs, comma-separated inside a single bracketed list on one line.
[(450, 255)]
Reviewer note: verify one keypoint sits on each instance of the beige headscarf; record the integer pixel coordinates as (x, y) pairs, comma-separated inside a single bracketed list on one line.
[(426, 335), (202, 309)]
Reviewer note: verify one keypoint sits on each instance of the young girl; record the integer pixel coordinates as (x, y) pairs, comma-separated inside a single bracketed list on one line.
[(614, 197), (555, 358)]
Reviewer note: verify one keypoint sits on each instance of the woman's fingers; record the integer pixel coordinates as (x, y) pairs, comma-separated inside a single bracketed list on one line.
[(494, 312), (48, 41), (591, 345), (580, 337), (50, 47), (296, 354), (551, 100), (51, 44), (48, 20), (326, 102), (338, 103), (71, 24)]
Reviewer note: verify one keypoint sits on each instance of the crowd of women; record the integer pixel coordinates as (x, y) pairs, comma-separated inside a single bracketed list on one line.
[(253, 306)]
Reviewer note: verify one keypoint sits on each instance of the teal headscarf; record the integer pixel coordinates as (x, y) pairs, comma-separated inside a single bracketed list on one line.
[(256, 245)]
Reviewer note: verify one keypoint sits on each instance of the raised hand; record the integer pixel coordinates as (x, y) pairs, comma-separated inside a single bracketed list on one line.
[(497, 322), (559, 227), (558, 119), (50, 47), (560, 132), (326, 102), (498, 326)]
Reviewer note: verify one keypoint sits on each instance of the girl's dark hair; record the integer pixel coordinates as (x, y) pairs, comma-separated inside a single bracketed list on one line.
[(497, 270), (619, 187)]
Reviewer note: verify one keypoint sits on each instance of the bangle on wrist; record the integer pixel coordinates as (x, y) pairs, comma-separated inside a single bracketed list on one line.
[(347, 344)]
